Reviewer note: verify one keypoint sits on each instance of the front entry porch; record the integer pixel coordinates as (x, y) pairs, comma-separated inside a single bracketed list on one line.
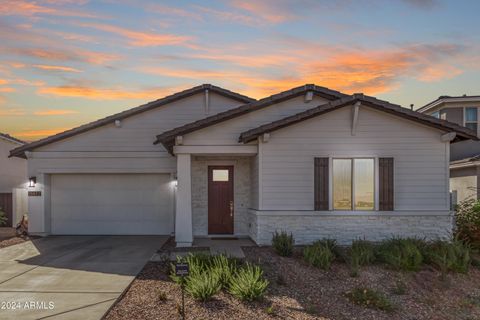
[(213, 194)]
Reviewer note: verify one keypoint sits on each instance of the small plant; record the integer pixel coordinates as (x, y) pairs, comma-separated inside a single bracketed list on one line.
[(198, 263), (162, 296), (449, 256), (248, 283), (319, 254), (402, 253), (283, 243), (467, 219), (203, 286), (224, 268), (361, 253), (270, 310), (400, 288), (370, 299), (3, 218)]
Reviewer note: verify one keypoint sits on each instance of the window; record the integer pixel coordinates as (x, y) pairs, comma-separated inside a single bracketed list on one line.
[(471, 118), (436, 114), (353, 184), (220, 175)]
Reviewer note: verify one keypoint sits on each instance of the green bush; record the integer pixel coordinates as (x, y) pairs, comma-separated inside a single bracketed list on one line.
[(224, 268), (202, 286), (402, 253), (449, 256), (320, 254), (467, 218), (369, 298), (198, 263), (283, 243), (364, 251), (3, 218), (248, 283)]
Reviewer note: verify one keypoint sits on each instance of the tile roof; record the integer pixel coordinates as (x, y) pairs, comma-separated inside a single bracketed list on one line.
[(462, 132)]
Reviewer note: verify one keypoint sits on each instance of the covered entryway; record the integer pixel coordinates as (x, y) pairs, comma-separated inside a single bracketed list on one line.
[(111, 204)]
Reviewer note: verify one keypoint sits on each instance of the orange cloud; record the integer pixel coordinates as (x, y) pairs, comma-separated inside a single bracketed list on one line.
[(140, 39), (55, 68), (54, 112), (8, 112), (37, 134), (100, 93), (271, 11), (33, 8), (188, 73), (92, 57), (7, 89)]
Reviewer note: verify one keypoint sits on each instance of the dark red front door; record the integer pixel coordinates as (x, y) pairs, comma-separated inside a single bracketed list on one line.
[(220, 199)]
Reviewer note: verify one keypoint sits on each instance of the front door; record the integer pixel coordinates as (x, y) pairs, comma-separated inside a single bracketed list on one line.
[(220, 199)]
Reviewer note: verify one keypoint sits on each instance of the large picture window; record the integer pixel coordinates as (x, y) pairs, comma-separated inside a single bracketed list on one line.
[(354, 184)]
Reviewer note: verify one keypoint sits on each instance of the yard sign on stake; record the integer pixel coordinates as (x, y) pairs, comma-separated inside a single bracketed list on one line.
[(182, 270)]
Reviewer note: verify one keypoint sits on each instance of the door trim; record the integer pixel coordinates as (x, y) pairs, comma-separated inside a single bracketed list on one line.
[(231, 182)]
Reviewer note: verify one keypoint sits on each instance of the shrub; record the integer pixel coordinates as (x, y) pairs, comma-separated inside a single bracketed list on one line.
[(283, 243), (467, 218), (3, 218), (361, 253), (449, 256), (402, 253), (224, 268), (202, 286), (248, 284), (319, 254), (369, 298), (162, 296), (198, 263)]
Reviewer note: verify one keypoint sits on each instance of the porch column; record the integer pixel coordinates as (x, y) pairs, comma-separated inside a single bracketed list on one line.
[(183, 213)]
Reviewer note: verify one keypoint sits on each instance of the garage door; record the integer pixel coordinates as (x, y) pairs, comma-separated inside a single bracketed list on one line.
[(111, 204)]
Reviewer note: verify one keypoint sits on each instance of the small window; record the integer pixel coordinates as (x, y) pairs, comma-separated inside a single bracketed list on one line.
[(471, 118), (436, 114), (220, 175), (353, 184)]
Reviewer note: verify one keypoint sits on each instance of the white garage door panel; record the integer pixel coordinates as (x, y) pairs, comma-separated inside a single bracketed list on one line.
[(111, 204)]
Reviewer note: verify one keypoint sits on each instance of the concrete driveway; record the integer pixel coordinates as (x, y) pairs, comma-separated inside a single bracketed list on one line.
[(70, 277)]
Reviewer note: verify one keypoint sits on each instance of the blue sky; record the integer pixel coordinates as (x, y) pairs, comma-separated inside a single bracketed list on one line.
[(67, 62)]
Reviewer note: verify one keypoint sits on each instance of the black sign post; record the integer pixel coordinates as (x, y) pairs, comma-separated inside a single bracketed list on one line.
[(182, 270)]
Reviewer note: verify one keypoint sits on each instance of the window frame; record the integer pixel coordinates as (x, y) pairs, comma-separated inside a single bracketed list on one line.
[(465, 121), (375, 183)]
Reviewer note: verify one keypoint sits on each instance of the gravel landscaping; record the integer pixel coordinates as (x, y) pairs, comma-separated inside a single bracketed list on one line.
[(299, 291)]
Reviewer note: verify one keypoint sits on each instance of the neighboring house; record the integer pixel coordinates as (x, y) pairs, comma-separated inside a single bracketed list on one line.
[(13, 179), (311, 161), (464, 156)]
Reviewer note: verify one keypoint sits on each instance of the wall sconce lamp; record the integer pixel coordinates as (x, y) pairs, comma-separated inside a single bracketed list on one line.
[(32, 182)]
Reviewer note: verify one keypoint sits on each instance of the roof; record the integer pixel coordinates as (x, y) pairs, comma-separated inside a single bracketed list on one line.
[(20, 151), (168, 138), (443, 99), (462, 132), (10, 138), (466, 161)]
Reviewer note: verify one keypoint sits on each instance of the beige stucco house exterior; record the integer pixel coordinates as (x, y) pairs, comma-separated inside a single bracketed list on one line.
[(464, 156), (209, 162)]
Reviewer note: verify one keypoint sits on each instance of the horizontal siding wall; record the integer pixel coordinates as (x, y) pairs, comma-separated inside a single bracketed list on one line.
[(137, 133), (227, 133), (420, 158)]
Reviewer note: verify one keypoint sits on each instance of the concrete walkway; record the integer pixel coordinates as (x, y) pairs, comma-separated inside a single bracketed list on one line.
[(70, 277)]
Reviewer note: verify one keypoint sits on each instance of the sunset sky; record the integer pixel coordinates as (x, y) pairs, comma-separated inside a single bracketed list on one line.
[(67, 62)]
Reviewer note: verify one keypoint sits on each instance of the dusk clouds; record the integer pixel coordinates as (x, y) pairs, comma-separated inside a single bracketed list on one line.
[(67, 62)]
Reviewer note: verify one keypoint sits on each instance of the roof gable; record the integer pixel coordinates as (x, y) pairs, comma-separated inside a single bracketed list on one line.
[(9, 138), (20, 151), (168, 138), (462, 132)]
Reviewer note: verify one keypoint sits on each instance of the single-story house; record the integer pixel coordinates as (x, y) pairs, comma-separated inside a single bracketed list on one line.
[(13, 179), (211, 162)]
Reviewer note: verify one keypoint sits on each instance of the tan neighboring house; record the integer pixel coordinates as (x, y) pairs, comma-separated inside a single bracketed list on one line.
[(464, 156), (13, 180), (208, 162)]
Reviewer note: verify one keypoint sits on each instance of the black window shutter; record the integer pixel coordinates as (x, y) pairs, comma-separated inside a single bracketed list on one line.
[(386, 195), (321, 183)]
